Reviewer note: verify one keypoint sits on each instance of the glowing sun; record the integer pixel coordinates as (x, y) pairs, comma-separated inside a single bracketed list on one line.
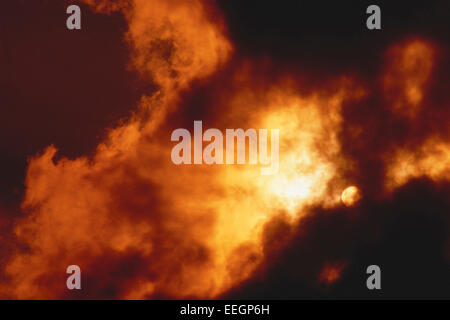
[(350, 196)]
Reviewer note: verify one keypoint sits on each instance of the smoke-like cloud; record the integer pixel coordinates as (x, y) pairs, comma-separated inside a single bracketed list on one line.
[(141, 227)]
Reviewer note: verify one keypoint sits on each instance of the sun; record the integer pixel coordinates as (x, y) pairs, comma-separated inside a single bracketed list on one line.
[(351, 196)]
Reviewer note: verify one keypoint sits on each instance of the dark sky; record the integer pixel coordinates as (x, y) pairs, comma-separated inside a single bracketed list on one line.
[(56, 86), (330, 35)]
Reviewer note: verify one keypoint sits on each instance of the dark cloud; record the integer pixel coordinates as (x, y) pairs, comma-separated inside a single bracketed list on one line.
[(407, 236)]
